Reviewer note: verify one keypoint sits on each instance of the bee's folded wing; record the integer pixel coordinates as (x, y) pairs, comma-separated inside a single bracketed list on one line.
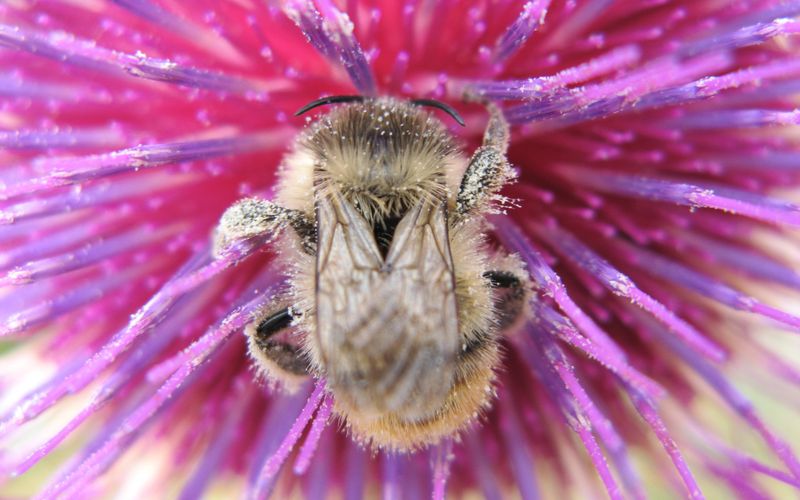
[(387, 329)]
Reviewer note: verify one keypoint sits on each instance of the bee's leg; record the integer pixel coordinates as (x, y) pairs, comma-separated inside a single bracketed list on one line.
[(253, 217), (510, 296), (277, 358), (488, 169), (503, 279)]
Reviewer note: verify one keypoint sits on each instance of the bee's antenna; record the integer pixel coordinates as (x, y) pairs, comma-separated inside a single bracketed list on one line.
[(332, 99), (440, 105)]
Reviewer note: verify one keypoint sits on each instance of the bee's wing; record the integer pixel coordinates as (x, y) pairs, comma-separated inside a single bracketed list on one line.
[(388, 330)]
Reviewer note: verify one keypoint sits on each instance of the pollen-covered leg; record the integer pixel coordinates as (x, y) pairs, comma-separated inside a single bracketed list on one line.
[(253, 217), (488, 169), (278, 360)]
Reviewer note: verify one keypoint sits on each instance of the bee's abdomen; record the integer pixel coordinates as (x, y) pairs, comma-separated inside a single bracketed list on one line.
[(469, 395)]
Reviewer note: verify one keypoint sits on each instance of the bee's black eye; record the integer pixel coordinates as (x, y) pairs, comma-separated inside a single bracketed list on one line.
[(440, 105), (333, 99)]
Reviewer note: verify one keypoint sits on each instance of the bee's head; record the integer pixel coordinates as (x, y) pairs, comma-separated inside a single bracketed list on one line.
[(383, 154)]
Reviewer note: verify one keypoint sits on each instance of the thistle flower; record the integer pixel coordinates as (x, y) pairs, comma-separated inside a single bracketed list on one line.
[(657, 158)]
